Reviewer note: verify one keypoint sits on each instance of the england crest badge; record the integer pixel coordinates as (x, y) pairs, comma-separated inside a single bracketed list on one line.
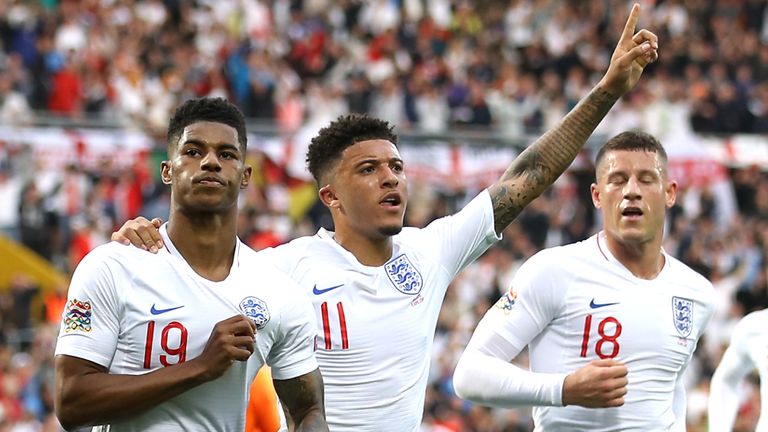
[(682, 313), (404, 275), (255, 309)]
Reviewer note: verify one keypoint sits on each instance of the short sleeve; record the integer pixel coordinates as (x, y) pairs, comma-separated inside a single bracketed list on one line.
[(461, 238), (292, 354), (90, 320), (530, 304)]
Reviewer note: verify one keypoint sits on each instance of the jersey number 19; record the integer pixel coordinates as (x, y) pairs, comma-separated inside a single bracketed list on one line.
[(179, 351)]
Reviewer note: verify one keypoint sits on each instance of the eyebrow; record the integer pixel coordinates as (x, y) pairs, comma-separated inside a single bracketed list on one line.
[(373, 160), (626, 173), (219, 146)]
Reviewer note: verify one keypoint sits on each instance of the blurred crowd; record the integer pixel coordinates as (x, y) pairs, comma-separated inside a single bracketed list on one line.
[(511, 67), (425, 65)]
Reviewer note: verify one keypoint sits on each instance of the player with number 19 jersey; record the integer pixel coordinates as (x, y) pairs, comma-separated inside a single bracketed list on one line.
[(577, 303), (375, 325), (133, 312)]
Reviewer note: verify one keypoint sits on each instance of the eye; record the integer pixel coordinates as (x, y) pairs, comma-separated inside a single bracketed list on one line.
[(398, 168), (367, 169), (191, 151), (228, 155)]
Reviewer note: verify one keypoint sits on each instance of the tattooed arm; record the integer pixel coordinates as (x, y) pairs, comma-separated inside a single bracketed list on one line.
[(536, 168), (303, 401)]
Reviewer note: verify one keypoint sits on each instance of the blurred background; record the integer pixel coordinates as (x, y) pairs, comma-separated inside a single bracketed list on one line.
[(87, 87)]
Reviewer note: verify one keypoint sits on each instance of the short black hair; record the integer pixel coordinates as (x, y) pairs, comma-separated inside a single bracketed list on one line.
[(633, 140), (326, 147), (217, 110)]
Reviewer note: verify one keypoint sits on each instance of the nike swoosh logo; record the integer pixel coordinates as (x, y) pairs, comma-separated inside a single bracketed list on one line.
[(594, 305), (155, 311), (325, 290)]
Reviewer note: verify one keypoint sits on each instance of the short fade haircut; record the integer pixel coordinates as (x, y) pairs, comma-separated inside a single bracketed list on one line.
[(632, 141), (326, 148), (217, 110)]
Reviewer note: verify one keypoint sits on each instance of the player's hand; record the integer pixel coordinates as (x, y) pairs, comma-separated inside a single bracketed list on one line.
[(141, 233), (600, 384), (633, 53), (231, 340)]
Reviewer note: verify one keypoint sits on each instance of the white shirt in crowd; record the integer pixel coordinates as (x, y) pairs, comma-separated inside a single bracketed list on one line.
[(134, 312), (748, 351), (573, 304)]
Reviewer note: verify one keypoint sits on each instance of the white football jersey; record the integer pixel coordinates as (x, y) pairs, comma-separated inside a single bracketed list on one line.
[(577, 303), (135, 312), (375, 325), (748, 351)]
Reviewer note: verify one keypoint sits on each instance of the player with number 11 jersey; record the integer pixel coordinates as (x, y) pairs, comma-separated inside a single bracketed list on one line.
[(375, 325)]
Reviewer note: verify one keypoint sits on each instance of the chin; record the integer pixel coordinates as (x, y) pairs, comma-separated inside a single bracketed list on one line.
[(635, 237), (390, 230)]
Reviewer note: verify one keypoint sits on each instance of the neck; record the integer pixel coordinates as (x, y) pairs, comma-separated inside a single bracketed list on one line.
[(642, 259), (368, 251), (205, 240)]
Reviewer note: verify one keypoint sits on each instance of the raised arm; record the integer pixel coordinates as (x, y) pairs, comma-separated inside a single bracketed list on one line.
[(303, 400), (536, 168), (87, 394)]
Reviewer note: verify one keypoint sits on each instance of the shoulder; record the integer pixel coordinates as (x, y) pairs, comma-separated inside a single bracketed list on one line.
[(559, 258), (691, 278), (261, 265), (113, 254), (262, 268), (753, 322), (295, 248)]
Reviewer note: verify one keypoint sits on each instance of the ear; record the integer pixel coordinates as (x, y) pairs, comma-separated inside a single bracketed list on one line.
[(165, 172), (671, 193), (328, 197), (245, 180), (595, 192)]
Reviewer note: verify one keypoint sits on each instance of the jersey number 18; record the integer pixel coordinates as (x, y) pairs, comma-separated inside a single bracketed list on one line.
[(608, 345)]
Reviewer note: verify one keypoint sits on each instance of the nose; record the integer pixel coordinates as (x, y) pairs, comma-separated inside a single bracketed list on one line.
[(389, 178), (210, 162), (632, 189)]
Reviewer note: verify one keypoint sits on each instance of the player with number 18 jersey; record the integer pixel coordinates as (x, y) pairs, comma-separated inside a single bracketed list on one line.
[(577, 303)]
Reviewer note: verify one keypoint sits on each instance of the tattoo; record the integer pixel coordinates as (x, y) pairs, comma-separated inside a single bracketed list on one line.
[(303, 400), (538, 166)]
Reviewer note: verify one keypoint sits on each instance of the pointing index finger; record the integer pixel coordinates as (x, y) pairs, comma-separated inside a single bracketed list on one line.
[(629, 27)]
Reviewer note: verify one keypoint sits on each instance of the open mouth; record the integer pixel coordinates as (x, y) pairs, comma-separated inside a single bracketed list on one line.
[(391, 200), (632, 212)]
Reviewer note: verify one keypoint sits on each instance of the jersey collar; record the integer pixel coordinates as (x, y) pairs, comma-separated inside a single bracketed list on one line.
[(361, 274), (602, 246), (176, 254)]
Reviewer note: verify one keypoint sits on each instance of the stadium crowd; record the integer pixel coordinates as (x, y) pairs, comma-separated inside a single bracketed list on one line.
[(430, 66)]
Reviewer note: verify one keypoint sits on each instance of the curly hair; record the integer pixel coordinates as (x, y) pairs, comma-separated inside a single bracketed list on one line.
[(217, 110), (326, 148), (632, 141)]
